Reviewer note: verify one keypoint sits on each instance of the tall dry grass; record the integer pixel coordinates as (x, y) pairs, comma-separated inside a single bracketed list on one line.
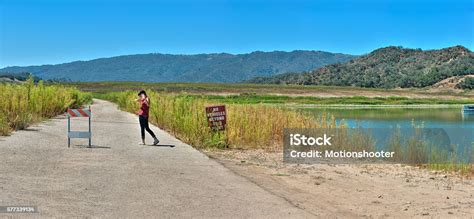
[(23, 104)]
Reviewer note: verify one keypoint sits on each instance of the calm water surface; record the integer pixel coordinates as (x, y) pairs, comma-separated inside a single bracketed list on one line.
[(405, 118), (456, 129)]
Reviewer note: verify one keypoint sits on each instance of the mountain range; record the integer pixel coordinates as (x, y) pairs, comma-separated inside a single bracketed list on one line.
[(388, 67), (218, 67)]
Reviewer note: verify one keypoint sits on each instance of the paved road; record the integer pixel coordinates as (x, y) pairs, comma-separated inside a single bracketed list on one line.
[(119, 178)]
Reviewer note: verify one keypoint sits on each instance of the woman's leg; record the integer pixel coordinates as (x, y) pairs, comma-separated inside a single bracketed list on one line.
[(147, 127), (143, 125)]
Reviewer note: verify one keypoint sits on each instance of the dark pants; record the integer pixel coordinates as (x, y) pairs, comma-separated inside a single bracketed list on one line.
[(144, 125)]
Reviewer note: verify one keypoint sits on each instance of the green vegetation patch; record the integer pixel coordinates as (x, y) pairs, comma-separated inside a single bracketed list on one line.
[(252, 98)]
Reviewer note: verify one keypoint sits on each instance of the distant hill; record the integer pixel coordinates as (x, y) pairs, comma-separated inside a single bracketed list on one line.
[(220, 67), (15, 77), (387, 67)]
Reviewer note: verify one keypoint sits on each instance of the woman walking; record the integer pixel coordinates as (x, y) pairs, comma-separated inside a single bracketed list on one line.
[(143, 116)]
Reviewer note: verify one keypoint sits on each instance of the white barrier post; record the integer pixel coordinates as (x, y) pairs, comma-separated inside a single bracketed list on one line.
[(78, 134)]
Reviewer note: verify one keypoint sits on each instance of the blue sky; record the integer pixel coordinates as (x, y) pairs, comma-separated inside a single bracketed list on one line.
[(54, 31)]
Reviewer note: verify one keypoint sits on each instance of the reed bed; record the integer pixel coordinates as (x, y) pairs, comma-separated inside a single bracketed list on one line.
[(27, 103)]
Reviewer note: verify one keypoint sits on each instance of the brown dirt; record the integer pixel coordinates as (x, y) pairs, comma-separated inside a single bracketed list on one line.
[(362, 190), (451, 83)]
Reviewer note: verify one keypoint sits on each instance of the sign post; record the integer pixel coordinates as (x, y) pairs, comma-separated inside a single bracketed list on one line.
[(217, 120), (78, 134), (216, 117)]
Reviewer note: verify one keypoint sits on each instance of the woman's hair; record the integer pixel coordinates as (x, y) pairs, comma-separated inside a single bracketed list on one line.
[(142, 92)]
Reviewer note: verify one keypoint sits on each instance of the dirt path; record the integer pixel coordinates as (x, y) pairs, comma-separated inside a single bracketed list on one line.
[(119, 178), (356, 191)]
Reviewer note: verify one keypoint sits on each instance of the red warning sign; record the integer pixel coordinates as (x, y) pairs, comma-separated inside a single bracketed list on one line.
[(216, 117)]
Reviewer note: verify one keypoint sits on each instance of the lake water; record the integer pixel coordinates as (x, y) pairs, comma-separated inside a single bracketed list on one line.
[(445, 127), (400, 117)]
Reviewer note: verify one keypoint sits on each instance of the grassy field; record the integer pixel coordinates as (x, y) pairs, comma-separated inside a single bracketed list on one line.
[(27, 103), (222, 88), (257, 88), (252, 98), (289, 94)]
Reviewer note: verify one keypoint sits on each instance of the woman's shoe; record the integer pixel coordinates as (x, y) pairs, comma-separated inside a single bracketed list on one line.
[(156, 141)]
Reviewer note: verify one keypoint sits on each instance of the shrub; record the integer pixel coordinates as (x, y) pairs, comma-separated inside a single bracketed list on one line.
[(467, 83)]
